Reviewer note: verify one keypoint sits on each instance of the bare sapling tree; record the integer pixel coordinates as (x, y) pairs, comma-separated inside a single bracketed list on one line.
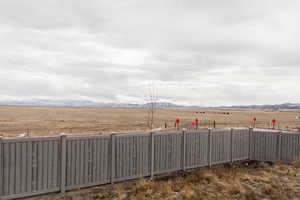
[(152, 99)]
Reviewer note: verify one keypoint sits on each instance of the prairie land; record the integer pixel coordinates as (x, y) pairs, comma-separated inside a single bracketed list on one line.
[(247, 181), (36, 121)]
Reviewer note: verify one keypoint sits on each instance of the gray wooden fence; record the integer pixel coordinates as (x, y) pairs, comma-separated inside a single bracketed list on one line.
[(39, 165)]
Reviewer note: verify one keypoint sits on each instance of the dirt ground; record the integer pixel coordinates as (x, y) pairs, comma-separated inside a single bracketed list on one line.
[(33, 121), (243, 181)]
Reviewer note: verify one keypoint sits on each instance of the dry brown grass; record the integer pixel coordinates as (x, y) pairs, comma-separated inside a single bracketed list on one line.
[(15, 120), (252, 181)]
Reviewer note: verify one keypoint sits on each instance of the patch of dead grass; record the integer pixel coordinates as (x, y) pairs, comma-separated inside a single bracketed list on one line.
[(246, 182)]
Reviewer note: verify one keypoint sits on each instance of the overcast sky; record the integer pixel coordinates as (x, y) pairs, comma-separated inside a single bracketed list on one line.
[(193, 51)]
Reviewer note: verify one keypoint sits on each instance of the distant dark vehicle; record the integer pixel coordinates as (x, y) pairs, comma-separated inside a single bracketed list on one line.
[(221, 113), (200, 112)]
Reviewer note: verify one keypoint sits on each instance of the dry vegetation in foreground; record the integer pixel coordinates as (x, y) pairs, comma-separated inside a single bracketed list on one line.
[(249, 181)]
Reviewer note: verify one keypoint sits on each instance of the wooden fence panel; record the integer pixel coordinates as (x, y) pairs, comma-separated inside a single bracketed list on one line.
[(196, 149), (290, 146), (221, 148), (265, 145), (167, 152), (30, 166), (132, 153), (88, 161), (240, 144)]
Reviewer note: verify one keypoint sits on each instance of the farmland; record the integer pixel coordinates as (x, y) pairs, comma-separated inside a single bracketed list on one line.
[(38, 121)]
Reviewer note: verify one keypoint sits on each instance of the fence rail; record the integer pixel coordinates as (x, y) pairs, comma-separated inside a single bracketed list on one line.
[(39, 165)]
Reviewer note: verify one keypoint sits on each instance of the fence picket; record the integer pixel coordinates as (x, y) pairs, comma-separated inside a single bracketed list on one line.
[(63, 164), (112, 158)]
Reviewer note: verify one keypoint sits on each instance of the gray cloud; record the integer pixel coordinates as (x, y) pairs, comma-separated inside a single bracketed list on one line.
[(194, 52)]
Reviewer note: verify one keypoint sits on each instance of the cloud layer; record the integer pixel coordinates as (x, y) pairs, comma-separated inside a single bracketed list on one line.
[(194, 52)]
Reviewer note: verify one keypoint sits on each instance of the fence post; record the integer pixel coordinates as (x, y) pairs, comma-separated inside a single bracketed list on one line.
[(152, 155), (209, 147), (279, 145), (112, 158), (63, 163), (1, 167), (231, 145), (250, 142), (183, 150)]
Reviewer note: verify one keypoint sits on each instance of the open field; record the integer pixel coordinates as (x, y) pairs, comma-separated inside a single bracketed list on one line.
[(246, 181), (15, 120)]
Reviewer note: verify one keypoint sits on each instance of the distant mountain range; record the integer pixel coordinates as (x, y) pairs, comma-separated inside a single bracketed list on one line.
[(84, 103), (283, 106)]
